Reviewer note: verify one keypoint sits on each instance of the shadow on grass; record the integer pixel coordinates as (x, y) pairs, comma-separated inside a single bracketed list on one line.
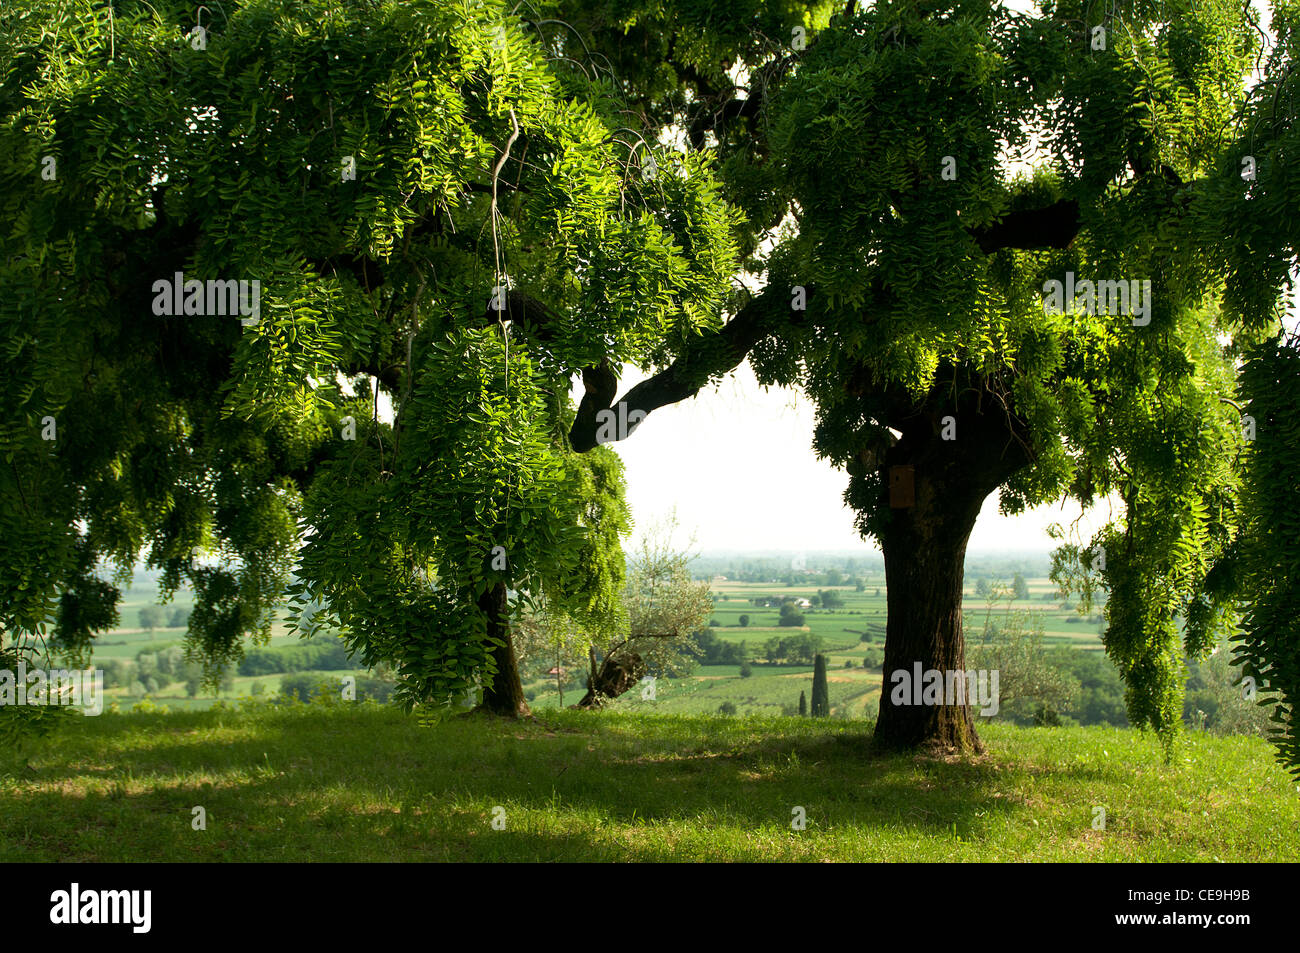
[(351, 785)]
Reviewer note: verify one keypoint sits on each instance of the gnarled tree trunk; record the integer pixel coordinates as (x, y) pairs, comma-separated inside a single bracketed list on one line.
[(616, 675), (925, 549)]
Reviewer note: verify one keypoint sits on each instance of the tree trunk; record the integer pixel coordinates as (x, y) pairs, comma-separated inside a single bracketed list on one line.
[(923, 536), (504, 695), (925, 551), (619, 673)]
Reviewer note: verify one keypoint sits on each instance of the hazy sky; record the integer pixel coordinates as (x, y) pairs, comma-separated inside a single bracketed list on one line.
[(736, 462)]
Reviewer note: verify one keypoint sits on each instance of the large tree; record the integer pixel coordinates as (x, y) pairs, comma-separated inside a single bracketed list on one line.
[(924, 171), (426, 205), (911, 176)]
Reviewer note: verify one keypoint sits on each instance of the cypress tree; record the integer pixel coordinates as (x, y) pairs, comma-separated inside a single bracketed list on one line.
[(803, 705), (821, 706)]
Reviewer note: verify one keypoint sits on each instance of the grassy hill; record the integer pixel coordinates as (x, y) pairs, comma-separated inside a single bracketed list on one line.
[(365, 783)]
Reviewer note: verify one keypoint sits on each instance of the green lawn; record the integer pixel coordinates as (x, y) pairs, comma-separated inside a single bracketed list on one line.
[(364, 783)]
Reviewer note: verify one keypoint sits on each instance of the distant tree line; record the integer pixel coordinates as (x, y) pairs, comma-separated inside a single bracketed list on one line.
[(157, 617), (324, 655), (792, 650), (310, 687)]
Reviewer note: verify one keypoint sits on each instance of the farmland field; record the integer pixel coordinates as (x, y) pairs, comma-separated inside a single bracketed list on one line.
[(847, 634)]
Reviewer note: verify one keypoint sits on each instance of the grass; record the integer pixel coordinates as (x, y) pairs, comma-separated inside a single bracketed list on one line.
[(365, 783)]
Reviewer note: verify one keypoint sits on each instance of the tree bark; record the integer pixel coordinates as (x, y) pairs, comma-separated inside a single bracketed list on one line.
[(504, 694), (923, 538), (925, 551), (619, 673)]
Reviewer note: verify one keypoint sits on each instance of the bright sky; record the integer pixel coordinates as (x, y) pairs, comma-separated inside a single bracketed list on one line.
[(736, 463)]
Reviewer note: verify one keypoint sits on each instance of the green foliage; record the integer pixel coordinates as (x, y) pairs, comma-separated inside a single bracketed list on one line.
[(23, 727), (1020, 588), (792, 650), (315, 655), (1219, 699), (1269, 563), (830, 599), (1029, 685), (328, 690), (715, 651), (481, 158), (1100, 698)]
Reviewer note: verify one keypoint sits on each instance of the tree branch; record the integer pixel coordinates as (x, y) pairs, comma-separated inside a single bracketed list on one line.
[(703, 359)]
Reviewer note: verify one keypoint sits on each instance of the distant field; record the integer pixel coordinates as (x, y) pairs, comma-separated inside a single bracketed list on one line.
[(854, 692), (866, 612)]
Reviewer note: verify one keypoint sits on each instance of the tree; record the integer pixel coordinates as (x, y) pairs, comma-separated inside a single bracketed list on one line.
[(179, 618), (664, 607), (743, 620), (712, 650), (1219, 699), (1029, 682), (830, 599), (803, 705), (745, 670), (790, 616), (910, 294), (450, 213), (151, 617), (905, 294), (1019, 587), (821, 706), (1250, 213), (981, 586)]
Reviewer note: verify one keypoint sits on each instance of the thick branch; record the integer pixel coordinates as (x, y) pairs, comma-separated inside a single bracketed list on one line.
[(704, 358)]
